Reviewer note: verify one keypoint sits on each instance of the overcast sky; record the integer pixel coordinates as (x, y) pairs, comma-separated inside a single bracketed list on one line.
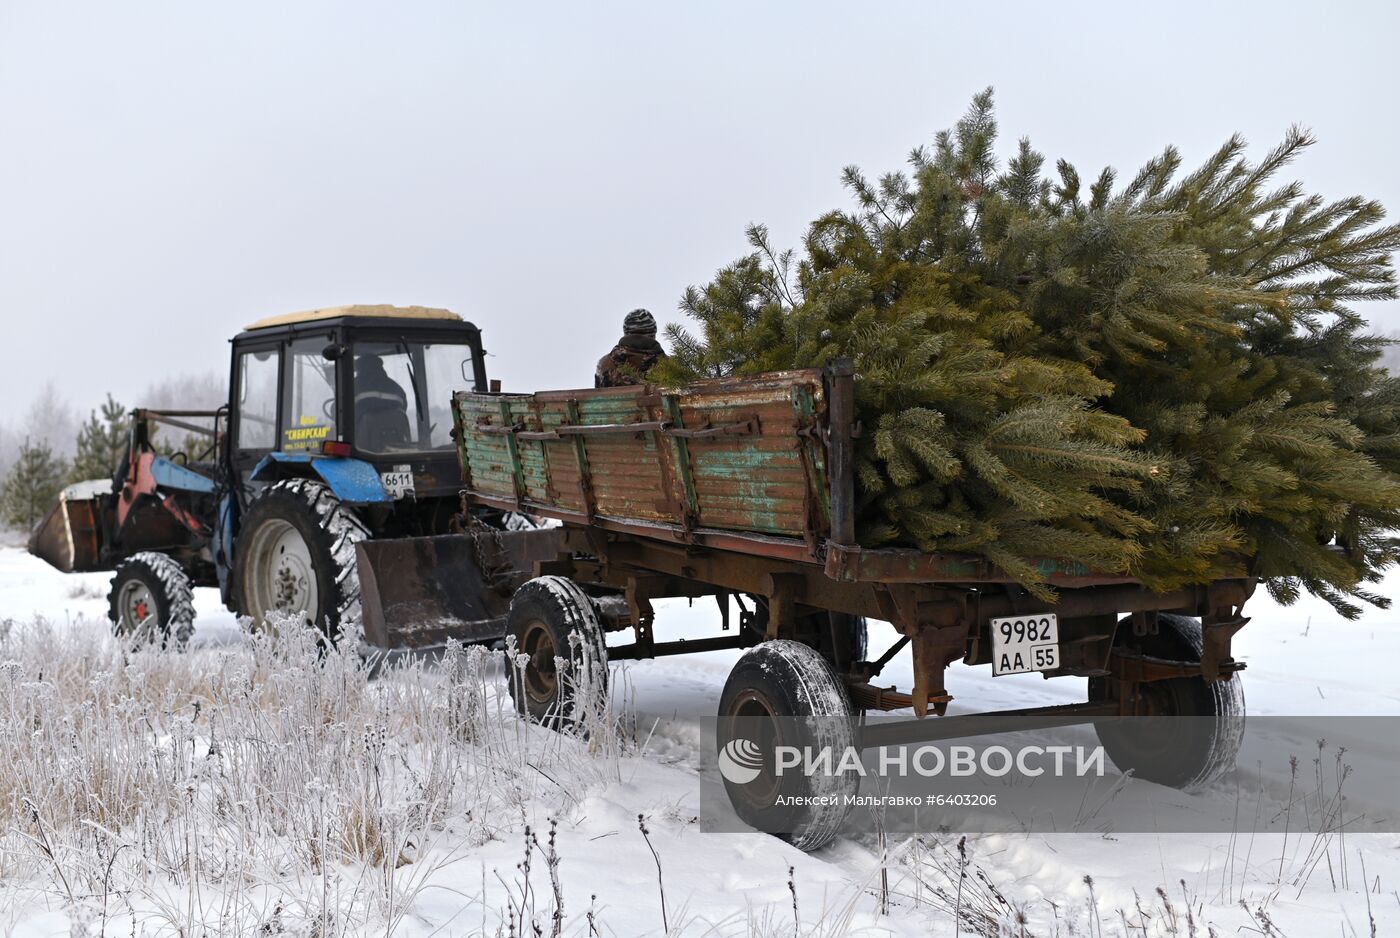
[(171, 171)]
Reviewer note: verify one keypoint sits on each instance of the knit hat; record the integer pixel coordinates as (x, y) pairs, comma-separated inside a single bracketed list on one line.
[(639, 322)]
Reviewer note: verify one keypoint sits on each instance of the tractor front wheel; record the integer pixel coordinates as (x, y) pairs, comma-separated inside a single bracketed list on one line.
[(151, 602), (296, 557)]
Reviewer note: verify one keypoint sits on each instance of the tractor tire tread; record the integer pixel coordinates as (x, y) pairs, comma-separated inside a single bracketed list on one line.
[(341, 531), (174, 584)]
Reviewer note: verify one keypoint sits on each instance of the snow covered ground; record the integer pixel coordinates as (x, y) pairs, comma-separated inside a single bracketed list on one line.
[(461, 867)]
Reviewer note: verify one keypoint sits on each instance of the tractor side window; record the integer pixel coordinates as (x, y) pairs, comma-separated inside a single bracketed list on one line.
[(445, 369), (308, 412), (257, 399)]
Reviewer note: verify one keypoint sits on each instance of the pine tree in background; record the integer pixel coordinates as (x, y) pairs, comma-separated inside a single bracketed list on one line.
[(101, 443), (1158, 379), (32, 486)]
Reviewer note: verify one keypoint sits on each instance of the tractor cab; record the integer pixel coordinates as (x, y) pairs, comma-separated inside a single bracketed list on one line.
[(359, 396)]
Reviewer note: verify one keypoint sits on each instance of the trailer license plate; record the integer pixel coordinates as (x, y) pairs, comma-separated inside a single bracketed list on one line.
[(399, 482), (1025, 643)]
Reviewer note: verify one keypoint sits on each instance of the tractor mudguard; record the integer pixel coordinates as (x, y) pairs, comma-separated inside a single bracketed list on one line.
[(353, 481)]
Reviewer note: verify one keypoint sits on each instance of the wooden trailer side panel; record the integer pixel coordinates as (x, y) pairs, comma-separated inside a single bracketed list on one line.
[(628, 471), (744, 457), (762, 480)]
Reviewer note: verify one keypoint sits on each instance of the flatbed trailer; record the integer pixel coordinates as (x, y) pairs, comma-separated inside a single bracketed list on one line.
[(744, 489)]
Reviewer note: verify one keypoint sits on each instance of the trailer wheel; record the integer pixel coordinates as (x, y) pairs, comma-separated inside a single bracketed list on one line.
[(151, 601), (546, 614), (785, 679), (295, 555), (1189, 753)]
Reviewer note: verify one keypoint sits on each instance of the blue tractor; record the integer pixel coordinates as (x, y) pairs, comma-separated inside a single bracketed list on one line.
[(326, 488)]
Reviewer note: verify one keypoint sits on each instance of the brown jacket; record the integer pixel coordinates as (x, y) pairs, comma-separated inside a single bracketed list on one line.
[(628, 362)]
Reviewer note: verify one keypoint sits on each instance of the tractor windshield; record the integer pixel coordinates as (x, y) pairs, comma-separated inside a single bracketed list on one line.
[(403, 394)]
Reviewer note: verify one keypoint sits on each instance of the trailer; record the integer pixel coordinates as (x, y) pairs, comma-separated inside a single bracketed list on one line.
[(743, 489)]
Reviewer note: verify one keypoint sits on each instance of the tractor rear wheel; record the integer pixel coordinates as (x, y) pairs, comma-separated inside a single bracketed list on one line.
[(295, 556), (151, 601)]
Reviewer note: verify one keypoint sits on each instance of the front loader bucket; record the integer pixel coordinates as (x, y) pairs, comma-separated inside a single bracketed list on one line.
[(70, 536), (418, 592)]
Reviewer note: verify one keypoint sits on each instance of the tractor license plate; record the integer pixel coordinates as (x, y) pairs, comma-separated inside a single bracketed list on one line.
[(1025, 643), (399, 482)]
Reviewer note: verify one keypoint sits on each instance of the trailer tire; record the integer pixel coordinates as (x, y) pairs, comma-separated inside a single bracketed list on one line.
[(151, 601), (295, 554), (1187, 754), (785, 679), (545, 614)]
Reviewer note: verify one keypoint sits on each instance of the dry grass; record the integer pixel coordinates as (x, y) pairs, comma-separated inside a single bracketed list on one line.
[(281, 778)]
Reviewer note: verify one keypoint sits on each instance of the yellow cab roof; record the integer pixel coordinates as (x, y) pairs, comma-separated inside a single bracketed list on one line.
[(374, 311)]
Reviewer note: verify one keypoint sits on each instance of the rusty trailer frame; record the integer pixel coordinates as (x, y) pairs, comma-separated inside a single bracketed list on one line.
[(745, 487)]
